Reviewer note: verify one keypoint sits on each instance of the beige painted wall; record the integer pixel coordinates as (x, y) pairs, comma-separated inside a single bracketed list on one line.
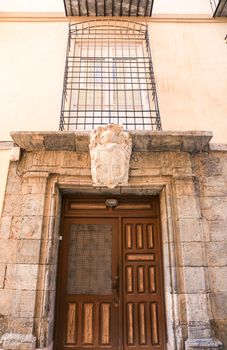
[(190, 62), (182, 7), (31, 70), (4, 163)]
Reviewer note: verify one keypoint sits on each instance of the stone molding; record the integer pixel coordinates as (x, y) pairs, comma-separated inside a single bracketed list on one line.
[(142, 141)]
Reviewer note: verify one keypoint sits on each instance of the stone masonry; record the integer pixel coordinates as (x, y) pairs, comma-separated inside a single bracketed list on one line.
[(190, 177)]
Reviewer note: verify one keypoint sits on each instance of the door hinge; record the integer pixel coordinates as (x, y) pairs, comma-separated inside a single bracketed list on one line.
[(60, 238)]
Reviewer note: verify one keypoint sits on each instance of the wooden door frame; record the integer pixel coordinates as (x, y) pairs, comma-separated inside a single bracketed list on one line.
[(126, 213)]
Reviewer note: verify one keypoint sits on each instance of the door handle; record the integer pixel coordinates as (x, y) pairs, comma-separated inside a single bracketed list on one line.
[(116, 284)]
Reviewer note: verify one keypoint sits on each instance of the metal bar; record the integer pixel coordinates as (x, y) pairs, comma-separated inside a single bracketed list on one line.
[(87, 8), (121, 7), (146, 7), (104, 7), (96, 8), (138, 6), (79, 10), (152, 4)]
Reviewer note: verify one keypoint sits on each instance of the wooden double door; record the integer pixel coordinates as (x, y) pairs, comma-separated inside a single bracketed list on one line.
[(110, 283)]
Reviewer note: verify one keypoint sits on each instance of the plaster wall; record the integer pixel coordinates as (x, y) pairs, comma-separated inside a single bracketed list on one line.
[(189, 62)]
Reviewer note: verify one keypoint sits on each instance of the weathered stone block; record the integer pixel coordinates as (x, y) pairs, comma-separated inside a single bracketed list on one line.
[(216, 253), (5, 227), (27, 227), (214, 208), (21, 276), (199, 329), (190, 229), (3, 326), (203, 344), (220, 330), (23, 304), (32, 204), (197, 307), (21, 324), (5, 301), (182, 171), (12, 205), (219, 305), (44, 160), (14, 341), (8, 251), (167, 163), (76, 160), (194, 279), (213, 186), (13, 185), (38, 187), (28, 251), (192, 254), (218, 229), (187, 207), (184, 187), (2, 275), (208, 166), (218, 278)]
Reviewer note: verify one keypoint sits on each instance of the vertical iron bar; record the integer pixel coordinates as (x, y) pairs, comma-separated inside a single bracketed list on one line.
[(63, 100), (151, 69), (71, 85), (130, 68), (152, 4), (79, 9), (79, 78), (93, 81), (87, 8)]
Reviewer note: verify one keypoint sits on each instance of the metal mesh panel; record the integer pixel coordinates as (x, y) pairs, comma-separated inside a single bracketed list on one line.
[(109, 77), (89, 260)]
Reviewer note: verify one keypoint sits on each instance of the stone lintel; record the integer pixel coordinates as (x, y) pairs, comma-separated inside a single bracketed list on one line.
[(203, 344), (142, 141)]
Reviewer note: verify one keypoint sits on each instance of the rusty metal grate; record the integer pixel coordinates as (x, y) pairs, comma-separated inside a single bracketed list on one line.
[(90, 260), (109, 77)]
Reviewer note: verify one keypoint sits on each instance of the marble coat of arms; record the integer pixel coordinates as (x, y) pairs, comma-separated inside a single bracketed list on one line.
[(110, 150)]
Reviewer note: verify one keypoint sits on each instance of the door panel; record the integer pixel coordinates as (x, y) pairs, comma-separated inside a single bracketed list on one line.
[(89, 311), (142, 294)]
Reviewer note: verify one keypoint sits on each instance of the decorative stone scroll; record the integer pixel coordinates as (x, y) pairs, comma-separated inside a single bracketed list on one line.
[(110, 150)]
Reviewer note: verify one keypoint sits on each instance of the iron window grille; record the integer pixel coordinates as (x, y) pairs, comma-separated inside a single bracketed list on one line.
[(109, 77)]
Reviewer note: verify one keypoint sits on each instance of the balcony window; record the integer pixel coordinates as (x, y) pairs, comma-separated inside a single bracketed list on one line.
[(109, 77)]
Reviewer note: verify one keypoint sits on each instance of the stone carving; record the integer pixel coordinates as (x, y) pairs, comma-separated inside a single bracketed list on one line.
[(110, 150)]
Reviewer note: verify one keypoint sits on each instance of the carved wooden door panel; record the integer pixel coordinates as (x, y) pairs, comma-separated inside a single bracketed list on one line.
[(110, 280), (89, 305), (142, 285)]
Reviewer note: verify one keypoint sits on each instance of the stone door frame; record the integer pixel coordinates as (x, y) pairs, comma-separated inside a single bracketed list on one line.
[(175, 222)]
